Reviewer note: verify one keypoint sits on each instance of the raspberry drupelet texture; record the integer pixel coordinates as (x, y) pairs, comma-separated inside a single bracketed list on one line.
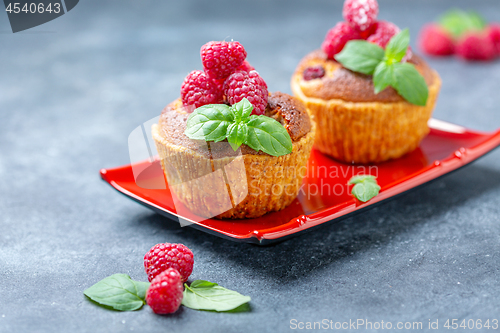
[(314, 72), (164, 256), (436, 41), (337, 37), (245, 66), (243, 84), (360, 14), (383, 34), (475, 46), (199, 89), (164, 295), (220, 59)]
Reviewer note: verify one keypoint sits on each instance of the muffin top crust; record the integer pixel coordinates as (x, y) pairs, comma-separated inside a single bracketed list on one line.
[(285, 109), (341, 83)]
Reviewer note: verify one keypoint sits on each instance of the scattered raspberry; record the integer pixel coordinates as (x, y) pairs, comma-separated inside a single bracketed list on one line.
[(434, 40), (337, 37), (360, 14), (245, 66), (475, 46), (314, 72), (383, 34), (494, 36), (198, 89), (164, 295), (220, 59), (250, 85), (164, 256)]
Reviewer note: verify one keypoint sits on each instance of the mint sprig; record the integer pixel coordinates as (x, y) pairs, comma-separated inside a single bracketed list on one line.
[(386, 67), (365, 187), (457, 22), (217, 122), (205, 295)]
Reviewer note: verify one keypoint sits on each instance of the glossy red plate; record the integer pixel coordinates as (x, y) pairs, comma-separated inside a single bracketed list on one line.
[(325, 195)]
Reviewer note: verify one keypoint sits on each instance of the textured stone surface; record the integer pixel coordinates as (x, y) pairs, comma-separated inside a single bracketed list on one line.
[(73, 89)]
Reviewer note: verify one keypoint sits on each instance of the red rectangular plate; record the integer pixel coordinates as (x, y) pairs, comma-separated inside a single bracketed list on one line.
[(325, 195)]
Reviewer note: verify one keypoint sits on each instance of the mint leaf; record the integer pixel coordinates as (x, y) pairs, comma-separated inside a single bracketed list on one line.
[(410, 84), (268, 135), (119, 292), (365, 187), (209, 122), (205, 295), (457, 22), (397, 46), (242, 110), (360, 56), (237, 134), (383, 77)]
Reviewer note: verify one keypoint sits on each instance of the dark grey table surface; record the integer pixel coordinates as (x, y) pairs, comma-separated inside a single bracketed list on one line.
[(73, 89)]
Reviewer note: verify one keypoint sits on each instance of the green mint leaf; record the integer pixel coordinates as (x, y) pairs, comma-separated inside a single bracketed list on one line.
[(365, 187), (397, 46), (410, 84), (268, 135), (383, 77), (119, 292), (360, 56), (457, 22), (209, 122), (205, 295), (242, 110), (237, 134)]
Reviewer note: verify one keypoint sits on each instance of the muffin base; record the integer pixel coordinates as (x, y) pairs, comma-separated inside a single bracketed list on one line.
[(368, 132)]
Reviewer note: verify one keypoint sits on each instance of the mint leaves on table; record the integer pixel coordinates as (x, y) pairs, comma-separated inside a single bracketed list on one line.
[(457, 22), (119, 292), (386, 67), (217, 122), (205, 295), (365, 187)]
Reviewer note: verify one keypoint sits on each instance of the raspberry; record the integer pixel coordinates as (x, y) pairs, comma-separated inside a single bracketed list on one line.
[(164, 295), (368, 32), (383, 34), (198, 89), (436, 41), (494, 36), (245, 66), (408, 55), (220, 59), (164, 256), (314, 72), (475, 46), (250, 85), (360, 14), (337, 37)]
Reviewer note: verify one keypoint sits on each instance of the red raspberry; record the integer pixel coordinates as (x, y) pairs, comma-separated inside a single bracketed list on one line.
[(360, 14), (383, 34), (164, 256), (368, 32), (314, 72), (245, 66), (337, 37), (220, 59), (436, 41), (250, 85), (164, 295), (494, 36), (475, 46), (198, 89)]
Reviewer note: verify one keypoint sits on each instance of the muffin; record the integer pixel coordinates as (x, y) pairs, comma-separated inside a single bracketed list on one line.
[(216, 178), (358, 125)]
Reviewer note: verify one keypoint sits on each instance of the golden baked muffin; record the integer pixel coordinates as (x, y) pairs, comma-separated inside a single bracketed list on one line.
[(370, 95), (254, 165)]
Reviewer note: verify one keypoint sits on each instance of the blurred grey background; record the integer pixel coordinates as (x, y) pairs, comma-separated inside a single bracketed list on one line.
[(73, 89)]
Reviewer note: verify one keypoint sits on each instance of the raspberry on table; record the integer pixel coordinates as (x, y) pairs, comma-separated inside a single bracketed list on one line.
[(360, 14), (313, 72), (164, 256), (220, 59), (337, 37), (475, 46), (383, 34), (435, 40), (199, 89), (164, 295), (493, 31), (249, 85)]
